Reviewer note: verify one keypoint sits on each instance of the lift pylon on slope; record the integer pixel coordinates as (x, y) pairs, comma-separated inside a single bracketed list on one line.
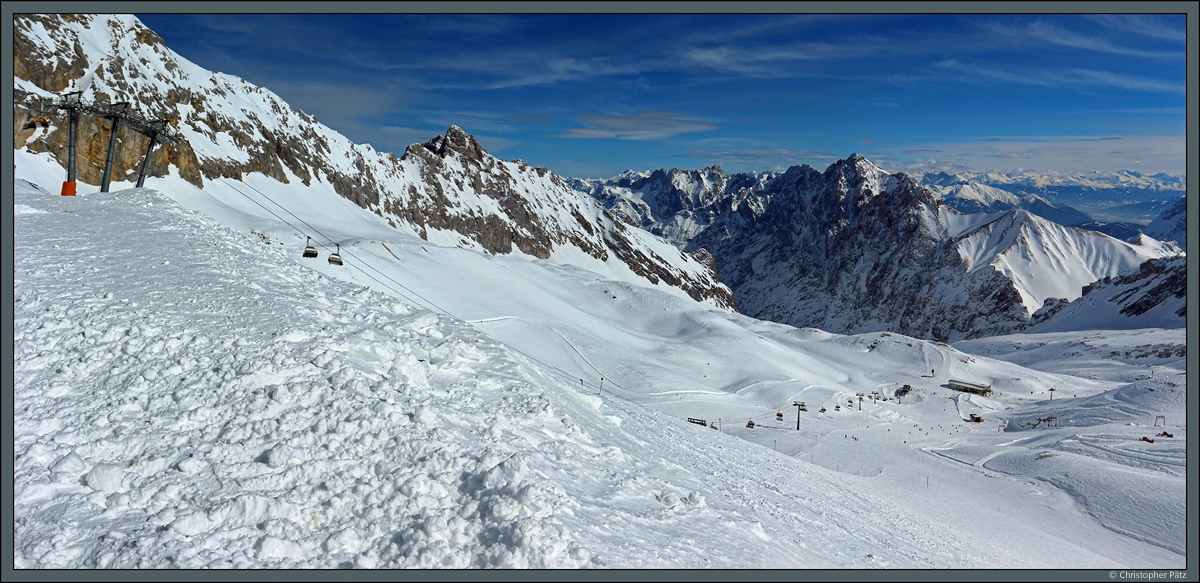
[(118, 115)]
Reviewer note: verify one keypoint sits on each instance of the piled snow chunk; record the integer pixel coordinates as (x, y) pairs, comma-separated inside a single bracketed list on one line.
[(106, 477)]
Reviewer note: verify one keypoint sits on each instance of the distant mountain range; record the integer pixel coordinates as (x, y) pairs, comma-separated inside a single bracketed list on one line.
[(856, 249), (968, 196), (849, 249), (1121, 187)]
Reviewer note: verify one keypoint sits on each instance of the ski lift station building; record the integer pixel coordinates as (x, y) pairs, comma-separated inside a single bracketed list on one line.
[(978, 389)]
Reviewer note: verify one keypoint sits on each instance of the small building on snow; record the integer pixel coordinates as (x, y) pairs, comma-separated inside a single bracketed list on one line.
[(978, 389)]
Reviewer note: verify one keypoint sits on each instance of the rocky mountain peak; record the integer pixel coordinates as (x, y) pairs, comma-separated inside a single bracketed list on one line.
[(447, 190), (456, 141)]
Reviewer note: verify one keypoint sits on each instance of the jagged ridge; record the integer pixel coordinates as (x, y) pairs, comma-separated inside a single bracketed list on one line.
[(448, 189), (856, 249)]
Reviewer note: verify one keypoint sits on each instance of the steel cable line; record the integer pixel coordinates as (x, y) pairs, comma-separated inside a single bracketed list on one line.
[(428, 303), (298, 230)]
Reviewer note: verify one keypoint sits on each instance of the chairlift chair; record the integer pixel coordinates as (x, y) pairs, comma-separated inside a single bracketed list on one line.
[(309, 250), (36, 122), (336, 258)]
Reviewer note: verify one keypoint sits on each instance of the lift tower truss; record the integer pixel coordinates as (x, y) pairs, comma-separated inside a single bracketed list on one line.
[(118, 114)]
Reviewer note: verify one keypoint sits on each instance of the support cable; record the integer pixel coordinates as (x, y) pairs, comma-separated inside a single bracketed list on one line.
[(427, 304)]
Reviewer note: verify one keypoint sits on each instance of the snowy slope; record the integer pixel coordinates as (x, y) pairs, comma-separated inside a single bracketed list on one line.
[(1046, 260), (190, 392), (1171, 225), (1152, 295), (320, 424), (447, 190)]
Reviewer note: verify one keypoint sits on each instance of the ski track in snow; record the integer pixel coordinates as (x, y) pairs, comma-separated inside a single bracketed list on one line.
[(189, 396), (185, 415)]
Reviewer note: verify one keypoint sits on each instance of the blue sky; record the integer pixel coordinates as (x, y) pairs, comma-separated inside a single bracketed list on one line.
[(594, 95)]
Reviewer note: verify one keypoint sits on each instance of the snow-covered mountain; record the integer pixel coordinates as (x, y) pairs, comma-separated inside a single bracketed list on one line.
[(856, 249), (447, 190), (1101, 194), (1099, 180), (189, 392), (1044, 259), (969, 196), (1171, 225), (1152, 295)]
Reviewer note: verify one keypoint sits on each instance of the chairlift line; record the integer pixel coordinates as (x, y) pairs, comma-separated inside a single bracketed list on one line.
[(427, 303)]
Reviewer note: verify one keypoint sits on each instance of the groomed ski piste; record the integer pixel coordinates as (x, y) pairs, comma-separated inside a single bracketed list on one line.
[(189, 392)]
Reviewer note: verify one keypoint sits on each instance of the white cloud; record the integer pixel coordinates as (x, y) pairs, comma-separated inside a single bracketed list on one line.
[(1065, 77), (1063, 153), (644, 125), (1143, 24), (1042, 32)]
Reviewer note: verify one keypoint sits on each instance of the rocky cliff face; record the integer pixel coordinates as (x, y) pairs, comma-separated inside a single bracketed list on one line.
[(229, 128), (856, 249)]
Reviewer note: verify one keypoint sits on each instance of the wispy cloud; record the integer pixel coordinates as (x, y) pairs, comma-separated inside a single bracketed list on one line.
[(775, 61), (736, 159), (1064, 77), (337, 105), (643, 125), (470, 121), (1056, 153), (510, 69), (1142, 24), (527, 117), (1047, 33), (1110, 79)]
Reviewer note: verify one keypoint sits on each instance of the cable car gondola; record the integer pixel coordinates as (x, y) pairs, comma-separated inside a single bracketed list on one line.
[(309, 250), (336, 258)]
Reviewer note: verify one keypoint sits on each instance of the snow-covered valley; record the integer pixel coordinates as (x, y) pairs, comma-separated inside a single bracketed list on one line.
[(512, 369), (191, 392)]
